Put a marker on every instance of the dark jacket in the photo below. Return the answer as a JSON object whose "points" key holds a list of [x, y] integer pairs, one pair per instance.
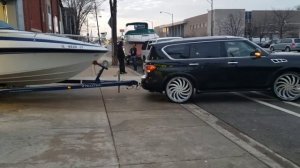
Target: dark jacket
{"points": [[121, 54], [133, 51]]}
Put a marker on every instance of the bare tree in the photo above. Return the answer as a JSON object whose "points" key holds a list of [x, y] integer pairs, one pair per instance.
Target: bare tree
{"points": [[280, 20], [261, 27], [233, 25], [113, 24], [80, 10]]}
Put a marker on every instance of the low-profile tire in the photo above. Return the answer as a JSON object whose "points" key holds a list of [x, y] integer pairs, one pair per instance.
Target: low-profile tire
{"points": [[179, 89], [287, 49], [287, 86], [272, 49]]}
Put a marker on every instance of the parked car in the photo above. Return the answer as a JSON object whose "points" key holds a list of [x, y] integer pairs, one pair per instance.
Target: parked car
{"points": [[146, 46], [268, 43], [287, 44], [181, 68], [259, 41]]}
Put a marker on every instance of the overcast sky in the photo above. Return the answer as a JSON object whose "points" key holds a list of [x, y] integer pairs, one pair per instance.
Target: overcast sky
{"points": [[149, 10]]}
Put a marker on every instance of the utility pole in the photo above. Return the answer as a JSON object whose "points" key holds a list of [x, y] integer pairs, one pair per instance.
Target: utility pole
{"points": [[113, 23], [97, 22], [211, 16], [87, 30]]}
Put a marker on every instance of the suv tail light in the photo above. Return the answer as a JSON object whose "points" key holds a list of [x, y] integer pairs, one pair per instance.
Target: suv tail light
{"points": [[150, 68]]}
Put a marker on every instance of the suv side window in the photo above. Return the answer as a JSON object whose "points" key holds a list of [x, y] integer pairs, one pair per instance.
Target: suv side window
{"points": [[239, 49], [180, 51], [205, 50]]}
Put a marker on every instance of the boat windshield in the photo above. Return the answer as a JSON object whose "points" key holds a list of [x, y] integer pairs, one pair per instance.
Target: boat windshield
{"points": [[5, 26]]}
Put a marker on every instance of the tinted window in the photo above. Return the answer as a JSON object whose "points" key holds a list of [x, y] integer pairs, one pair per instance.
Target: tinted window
{"points": [[178, 51], [286, 41], [297, 40], [153, 54], [239, 49], [205, 50]]}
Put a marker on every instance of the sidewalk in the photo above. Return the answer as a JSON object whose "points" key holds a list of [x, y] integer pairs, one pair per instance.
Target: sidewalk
{"points": [[149, 131], [101, 128]]}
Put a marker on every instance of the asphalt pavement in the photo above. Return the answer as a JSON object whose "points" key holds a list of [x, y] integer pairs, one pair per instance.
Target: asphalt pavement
{"points": [[261, 116]]}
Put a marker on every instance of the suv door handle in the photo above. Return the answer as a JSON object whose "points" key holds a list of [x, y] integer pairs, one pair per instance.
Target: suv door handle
{"points": [[194, 64], [232, 62]]}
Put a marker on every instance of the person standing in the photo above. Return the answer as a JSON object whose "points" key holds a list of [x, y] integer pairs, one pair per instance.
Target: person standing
{"points": [[121, 58], [133, 55]]}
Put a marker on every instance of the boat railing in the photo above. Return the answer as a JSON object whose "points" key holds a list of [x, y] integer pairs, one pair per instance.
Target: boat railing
{"points": [[88, 39]]}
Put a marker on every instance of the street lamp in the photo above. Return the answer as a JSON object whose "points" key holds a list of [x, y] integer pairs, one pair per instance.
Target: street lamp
{"points": [[172, 18], [212, 16]]}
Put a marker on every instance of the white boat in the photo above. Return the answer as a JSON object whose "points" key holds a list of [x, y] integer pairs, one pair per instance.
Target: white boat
{"points": [[137, 33], [28, 58]]}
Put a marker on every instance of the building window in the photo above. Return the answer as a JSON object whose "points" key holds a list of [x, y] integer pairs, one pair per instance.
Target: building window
{"points": [[49, 14], [3, 12], [56, 29]]}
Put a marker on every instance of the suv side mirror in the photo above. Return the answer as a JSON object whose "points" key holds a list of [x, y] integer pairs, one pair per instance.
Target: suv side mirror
{"points": [[256, 54]]}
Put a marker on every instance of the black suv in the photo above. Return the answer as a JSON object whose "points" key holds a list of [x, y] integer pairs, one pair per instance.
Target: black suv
{"points": [[183, 67]]}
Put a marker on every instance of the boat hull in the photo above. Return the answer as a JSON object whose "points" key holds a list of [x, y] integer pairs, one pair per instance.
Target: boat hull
{"points": [[20, 69], [28, 58]]}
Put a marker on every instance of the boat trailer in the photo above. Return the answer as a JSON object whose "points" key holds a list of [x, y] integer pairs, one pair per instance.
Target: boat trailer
{"points": [[74, 84]]}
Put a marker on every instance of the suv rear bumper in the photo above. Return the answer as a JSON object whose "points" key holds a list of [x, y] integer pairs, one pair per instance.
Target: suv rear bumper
{"points": [[151, 84]]}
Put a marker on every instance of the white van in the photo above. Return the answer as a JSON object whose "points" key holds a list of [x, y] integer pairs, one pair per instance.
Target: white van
{"points": [[146, 46]]}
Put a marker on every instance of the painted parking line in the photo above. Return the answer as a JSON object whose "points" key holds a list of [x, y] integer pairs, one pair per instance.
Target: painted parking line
{"points": [[269, 105], [290, 103], [258, 150]]}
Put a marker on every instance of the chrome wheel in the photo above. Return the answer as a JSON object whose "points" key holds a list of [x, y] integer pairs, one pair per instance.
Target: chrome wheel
{"points": [[179, 89], [287, 87]]}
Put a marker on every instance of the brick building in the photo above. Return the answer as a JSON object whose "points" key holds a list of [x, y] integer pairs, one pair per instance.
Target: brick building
{"points": [[33, 15]]}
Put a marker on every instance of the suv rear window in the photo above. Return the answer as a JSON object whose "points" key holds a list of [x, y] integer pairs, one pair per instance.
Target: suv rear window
{"points": [[153, 55], [297, 40]]}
